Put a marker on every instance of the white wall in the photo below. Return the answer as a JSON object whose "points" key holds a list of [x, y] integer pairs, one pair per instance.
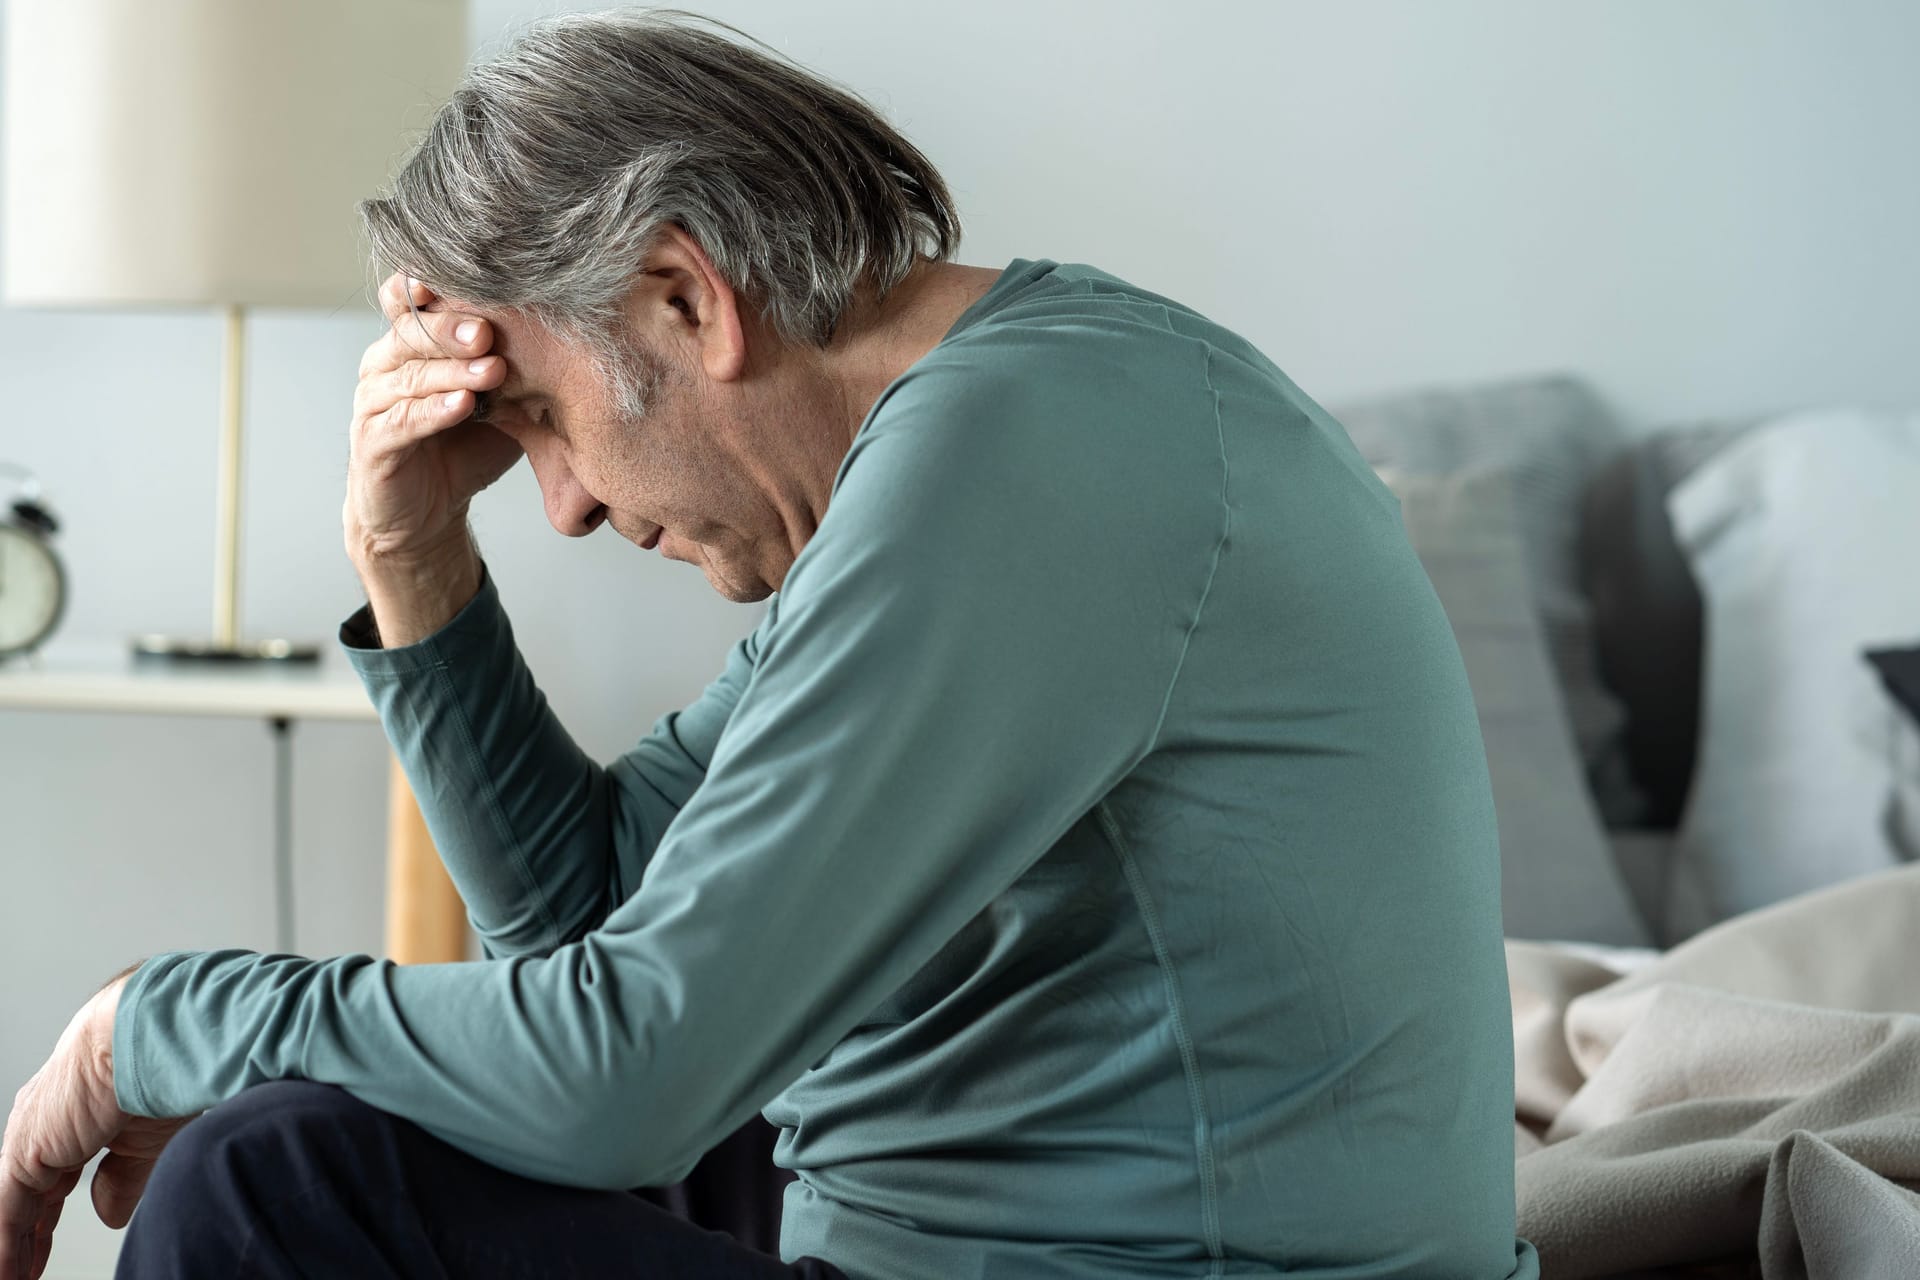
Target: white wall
{"points": [[1705, 208]]}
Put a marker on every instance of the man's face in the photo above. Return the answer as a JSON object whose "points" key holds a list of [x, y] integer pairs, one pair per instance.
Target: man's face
{"points": [[675, 472], [733, 462]]}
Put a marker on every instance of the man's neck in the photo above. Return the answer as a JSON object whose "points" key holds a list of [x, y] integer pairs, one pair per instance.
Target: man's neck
{"points": [[883, 340]]}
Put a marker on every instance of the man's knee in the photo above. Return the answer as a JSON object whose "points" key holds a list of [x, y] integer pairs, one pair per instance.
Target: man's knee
{"points": [[262, 1144], [225, 1176]]}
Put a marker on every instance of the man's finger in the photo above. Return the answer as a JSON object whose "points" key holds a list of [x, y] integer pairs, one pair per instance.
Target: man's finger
{"points": [[19, 1214], [402, 302], [29, 1208], [49, 1219], [418, 378], [395, 292], [389, 293], [436, 335], [430, 377], [57, 1196], [411, 421], [118, 1183]]}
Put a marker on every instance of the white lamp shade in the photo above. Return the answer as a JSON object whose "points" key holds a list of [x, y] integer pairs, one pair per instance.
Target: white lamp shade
{"points": [[209, 151]]}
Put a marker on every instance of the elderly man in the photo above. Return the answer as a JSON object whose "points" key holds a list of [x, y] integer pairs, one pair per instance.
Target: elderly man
{"points": [[1088, 862]]}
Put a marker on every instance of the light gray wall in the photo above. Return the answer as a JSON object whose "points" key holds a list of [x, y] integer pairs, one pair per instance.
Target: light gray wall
{"points": [[1705, 208]]}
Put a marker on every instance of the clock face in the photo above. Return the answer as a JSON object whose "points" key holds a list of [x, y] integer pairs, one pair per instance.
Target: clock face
{"points": [[32, 590]]}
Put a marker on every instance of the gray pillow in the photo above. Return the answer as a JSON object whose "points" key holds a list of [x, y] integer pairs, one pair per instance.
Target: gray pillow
{"points": [[1557, 876], [1553, 434]]}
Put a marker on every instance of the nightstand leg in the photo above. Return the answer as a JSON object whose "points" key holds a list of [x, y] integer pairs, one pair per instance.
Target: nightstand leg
{"points": [[426, 921]]}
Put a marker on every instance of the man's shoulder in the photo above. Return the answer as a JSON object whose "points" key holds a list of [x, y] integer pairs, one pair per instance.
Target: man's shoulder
{"points": [[1031, 448], [1049, 382]]}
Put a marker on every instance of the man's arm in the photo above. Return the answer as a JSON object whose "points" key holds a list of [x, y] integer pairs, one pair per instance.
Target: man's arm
{"points": [[541, 841], [960, 666]]}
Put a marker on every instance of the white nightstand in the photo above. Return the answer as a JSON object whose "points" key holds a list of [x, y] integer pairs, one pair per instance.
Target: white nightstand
{"points": [[426, 921]]}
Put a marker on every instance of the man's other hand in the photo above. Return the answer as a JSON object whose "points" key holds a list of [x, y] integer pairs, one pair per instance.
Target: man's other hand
{"points": [[61, 1117], [417, 458]]}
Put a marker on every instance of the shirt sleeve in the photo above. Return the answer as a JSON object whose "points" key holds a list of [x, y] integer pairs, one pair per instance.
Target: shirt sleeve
{"points": [[540, 840], [965, 658]]}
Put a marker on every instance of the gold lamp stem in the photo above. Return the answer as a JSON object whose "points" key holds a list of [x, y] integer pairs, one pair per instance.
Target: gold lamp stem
{"points": [[226, 645], [226, 547]]}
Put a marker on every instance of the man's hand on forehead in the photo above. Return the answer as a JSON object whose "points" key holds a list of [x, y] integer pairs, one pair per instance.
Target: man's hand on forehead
{"points": [[422, 302], [411, 473], [483, 401]]}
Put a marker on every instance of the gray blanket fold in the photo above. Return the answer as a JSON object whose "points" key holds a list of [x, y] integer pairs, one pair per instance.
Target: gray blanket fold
{"points": [[1746, 1104]]}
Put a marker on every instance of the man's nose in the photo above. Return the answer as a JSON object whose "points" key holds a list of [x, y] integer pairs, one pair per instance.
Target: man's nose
{"points": [[570, 508]]}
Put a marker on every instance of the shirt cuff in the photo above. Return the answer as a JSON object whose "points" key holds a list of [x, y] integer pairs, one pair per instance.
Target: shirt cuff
{"points": [[360, 638], [129, 1073]]}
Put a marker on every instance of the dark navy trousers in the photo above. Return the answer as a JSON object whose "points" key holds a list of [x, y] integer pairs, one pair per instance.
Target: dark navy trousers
{"points": [[298, 1179]]}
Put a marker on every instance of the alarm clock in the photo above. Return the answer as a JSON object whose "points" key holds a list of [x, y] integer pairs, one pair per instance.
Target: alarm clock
{"points": [[33, 584]]}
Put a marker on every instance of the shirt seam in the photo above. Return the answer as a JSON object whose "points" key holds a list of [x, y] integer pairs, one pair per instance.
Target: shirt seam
{"points": [[1183, 1038], [492, 800], [1226, 525], [393, 664], [1136, 882]]}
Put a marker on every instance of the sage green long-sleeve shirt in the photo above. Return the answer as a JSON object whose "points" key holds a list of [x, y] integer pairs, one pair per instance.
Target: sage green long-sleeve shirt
{"points": [[1089, 860]]}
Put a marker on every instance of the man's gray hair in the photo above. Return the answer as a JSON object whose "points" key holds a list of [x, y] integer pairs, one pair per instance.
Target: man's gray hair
{"points": [[543, 183]]}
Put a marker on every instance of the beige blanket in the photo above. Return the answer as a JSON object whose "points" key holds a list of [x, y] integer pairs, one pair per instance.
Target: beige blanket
{"points": [[1746, 1104]]}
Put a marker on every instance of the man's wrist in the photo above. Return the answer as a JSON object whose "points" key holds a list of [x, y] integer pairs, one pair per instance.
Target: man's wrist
{"points": [[415, 566], [411, 597], [103, 1011]]}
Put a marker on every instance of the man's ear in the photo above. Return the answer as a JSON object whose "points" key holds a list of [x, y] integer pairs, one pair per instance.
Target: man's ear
{"points": [[679, 268]]}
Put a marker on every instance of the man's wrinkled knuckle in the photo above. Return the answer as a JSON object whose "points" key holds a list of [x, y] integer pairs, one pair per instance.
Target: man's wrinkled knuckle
{"points": [[368, 436], [377, 426], [380, 400], [401, 419]]}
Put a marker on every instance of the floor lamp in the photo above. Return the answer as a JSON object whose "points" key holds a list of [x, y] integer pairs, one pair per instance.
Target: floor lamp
{"points": [[210, 153]]}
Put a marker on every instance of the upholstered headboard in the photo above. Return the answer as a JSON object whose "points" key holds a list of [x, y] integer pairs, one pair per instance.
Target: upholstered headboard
{"points": [[1622, 616], [1647, 614]]}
